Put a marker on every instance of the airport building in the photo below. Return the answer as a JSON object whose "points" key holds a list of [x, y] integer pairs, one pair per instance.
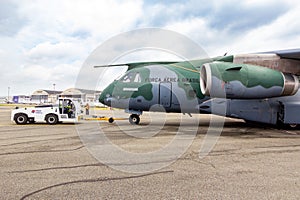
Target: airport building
{"points": [[44, 96], [3, 99], [82, 95], [21, 99]]}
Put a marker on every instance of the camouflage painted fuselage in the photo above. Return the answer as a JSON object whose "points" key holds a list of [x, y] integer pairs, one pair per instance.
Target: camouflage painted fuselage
{"points": [[175, 87], [250, 92]]}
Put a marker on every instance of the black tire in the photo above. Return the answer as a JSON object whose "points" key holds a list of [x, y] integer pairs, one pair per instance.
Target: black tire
{"points": [[52, 119], [293, 126], [134, 119], [21, 118], [111, 120]]}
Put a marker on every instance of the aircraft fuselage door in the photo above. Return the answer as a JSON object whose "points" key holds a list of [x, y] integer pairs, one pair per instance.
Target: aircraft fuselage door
{"points": [[165, 94]]}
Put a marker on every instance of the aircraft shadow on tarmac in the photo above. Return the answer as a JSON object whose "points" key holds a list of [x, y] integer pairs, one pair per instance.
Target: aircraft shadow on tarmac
{"points": [[229, 128]]}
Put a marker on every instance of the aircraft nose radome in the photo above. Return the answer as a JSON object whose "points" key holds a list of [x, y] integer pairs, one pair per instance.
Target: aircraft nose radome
{"points": [[106, 95], [105, 100], [102, 98]]}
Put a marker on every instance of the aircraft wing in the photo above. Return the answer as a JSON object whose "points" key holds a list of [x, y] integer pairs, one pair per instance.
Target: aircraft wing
{"points": [[138, 64], [293, 54], [287, 61]]}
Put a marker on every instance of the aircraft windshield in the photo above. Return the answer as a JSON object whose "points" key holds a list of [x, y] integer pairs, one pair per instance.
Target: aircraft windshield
{"points": [[131, 77]]}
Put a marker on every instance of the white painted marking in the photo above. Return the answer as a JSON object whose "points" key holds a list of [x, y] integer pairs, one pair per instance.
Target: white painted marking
{"points": [[130, 89]]}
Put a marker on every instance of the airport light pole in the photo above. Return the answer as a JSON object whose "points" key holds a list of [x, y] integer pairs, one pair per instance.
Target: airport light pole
{"points": [[52, 98], [8, 89]]}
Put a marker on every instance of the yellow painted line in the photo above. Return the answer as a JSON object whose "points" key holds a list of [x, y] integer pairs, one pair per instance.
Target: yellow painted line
{"points": [[106, 108], [19, 105], [105, 118], [192, 70], [97, 108], [6, 124]]}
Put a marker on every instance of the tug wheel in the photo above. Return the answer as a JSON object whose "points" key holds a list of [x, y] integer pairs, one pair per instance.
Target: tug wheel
{"points": [[21, 118], [51, 119]]}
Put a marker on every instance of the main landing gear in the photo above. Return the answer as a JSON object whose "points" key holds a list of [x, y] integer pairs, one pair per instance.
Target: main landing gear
{"points": [[134, 119]]}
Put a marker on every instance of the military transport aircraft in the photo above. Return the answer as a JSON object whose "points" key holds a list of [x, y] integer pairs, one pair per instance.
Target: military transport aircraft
{"points": [[259, 87]]}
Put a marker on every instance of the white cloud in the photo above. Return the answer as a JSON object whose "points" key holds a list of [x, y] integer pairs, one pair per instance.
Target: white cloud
{"points": [[224, 28], [33, 77], [63, 51], [60, 20], [198, 30], [49, 40], [283, 33], [56, 37]]}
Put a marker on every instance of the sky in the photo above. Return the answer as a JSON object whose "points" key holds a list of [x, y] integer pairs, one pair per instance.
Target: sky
{"points": [[46, 42]]}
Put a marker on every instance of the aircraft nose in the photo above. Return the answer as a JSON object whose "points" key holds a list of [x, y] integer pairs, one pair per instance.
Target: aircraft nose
{"points": [[105, 98], [102, 98], [106, 95]]}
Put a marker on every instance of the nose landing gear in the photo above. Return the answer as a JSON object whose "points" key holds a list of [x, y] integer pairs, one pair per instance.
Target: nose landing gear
{"points": [[134, 119]]}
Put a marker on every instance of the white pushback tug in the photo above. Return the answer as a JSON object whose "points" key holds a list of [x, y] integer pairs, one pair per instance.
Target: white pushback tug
{"points": [[66, 110]]}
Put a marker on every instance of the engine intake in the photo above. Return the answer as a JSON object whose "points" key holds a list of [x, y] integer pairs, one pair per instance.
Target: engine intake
{"points": [[243, 81]]}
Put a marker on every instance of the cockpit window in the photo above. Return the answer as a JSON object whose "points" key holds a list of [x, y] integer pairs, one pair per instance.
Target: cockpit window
{"points": [[131, 77], [137, 78], [127, 78]]}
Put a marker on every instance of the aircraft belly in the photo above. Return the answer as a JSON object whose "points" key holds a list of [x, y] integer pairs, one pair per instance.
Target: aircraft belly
{"points": [[253, 110], [291, 113]]}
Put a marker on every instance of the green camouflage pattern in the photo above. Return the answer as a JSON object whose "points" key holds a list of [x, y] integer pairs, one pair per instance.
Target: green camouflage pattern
{"points": [[142, 85]]}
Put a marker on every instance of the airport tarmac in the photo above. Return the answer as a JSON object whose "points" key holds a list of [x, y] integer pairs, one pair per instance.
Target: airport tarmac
{"points": [[40, 161]]}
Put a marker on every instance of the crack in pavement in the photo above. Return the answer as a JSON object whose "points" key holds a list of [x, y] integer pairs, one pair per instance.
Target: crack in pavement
{"points": [[46, 151], [35, 141], [94, 180]]}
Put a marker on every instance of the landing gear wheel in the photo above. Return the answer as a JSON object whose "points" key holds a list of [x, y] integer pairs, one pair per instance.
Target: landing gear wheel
{"points": [[293, 126], [134, 119], [111, 120], [21, 118], [51, 119]]}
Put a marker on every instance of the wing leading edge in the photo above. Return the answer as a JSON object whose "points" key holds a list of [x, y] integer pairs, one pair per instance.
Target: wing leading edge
{"points": [[293, 54], [138, 64]]}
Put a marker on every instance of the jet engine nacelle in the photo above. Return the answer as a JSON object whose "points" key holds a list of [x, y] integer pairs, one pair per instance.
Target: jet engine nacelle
{"points": [[243, 81]]}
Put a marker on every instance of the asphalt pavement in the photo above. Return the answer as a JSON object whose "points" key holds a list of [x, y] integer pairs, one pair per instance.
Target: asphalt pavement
{"points": [[165, 157]]}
